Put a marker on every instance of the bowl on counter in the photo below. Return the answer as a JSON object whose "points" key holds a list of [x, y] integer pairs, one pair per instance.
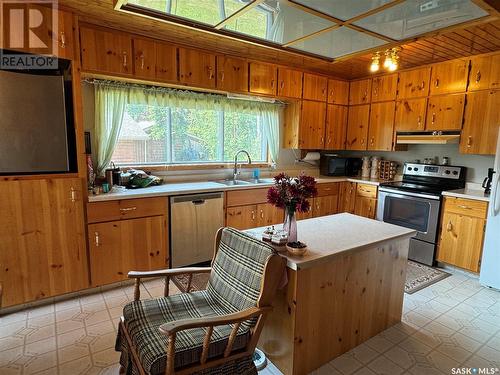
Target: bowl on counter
{"points": [[296, 248]]}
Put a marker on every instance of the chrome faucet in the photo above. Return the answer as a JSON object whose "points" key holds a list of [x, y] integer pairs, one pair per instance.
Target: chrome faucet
{"points": [[235, 170]]}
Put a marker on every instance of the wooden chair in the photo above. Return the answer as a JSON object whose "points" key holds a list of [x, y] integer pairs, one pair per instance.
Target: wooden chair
{"points": [[214, 331]]}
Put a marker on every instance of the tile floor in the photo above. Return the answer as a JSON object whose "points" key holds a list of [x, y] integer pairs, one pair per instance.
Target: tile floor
{"points": [[453, 323]]}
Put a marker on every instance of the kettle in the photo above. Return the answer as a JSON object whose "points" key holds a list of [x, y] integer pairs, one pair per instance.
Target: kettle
{"points": [[487, 181]]}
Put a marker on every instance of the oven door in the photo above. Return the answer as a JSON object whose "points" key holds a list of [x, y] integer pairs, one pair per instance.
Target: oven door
{"points": [[411, 210]]}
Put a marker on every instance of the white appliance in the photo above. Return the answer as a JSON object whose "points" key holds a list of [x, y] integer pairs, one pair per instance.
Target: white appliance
{"points": [[490, 263]]}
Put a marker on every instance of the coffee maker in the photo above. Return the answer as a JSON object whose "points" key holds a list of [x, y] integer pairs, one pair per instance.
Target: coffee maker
{"points": [[487, 181]]}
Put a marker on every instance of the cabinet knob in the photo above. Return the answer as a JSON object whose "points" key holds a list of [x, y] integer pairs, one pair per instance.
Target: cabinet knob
{"points": [[449, 227], [262, 214], [362, 141], [478, 76], [142, 61], [62, 39], [222, 76], [372, 141], [97, 243], [253, 215], [272, 83], [124, 59], [128, 209], [282, 84], [469, 141], [210, 73], [419, 120], [422, 85], [73, 194], [433, 118], [436, 82]]}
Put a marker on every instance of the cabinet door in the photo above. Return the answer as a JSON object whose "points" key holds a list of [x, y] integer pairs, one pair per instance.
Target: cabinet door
{"points": [[338, 92], [484, 73], [445, 112], [65, 36], [357, 127], [380, 133], [347, 197], [117, 247], [414, 83], [166, 62], [384, 88], [269, 215], [481, 121], [263, 78], [289, 83], [43, 251], [449, 77], [232, 74], [144, 58], [308, 214], [360, 91], [365, 206], [461, 241], [326, 205], [410, 115], [196, 68], [336, 127], [495, 72], [315, 87], [312, 125], [242, 217], [106, 51]]}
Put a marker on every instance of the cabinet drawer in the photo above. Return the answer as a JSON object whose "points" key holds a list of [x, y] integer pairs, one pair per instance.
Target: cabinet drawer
{"points": [[331, 188], [467, 207], [246, 197], [365, 190], [126, 209]]}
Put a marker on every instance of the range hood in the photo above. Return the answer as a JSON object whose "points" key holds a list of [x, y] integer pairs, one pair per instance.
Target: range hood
{"points": [[427, 138]]}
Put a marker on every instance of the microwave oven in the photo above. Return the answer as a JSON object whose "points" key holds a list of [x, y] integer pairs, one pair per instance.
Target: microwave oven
{"points": [[334, 165]]}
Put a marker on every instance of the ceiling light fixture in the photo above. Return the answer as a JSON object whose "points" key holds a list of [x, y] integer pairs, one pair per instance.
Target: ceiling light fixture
{"points": [[391, 60], [375, 66]]}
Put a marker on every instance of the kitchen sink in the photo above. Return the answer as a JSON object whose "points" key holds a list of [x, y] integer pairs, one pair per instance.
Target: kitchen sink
{"points": [[246, 182]]}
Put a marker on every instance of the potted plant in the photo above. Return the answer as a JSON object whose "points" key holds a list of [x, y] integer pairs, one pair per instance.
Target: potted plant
{"points": [[292, 194]]}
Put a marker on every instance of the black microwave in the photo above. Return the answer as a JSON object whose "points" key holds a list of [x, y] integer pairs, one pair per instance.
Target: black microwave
{"points": [[334, 165]]}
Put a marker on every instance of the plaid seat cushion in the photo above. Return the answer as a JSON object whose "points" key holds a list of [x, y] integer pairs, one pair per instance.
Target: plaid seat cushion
{"points": [[143, 319]]}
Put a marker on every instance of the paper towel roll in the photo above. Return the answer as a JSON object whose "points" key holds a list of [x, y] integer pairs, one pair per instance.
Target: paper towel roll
{"points": [[312, 156]]}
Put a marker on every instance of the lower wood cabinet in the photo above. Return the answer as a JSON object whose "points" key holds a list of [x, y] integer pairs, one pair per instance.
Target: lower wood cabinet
{"points": [[253, 216], [42, 247], [365, 207], [462, 233], [347, 197], [323, 206]]}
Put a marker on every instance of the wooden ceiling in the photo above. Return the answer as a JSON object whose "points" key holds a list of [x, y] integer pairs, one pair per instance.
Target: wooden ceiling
{"points": [[475, 38]]}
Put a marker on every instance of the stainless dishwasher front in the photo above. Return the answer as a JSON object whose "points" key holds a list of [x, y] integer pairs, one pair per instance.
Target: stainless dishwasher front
{"points": [[194, 221]]}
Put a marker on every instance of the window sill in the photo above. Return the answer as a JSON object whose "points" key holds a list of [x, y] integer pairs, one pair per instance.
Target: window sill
{"points": [[191, 167]]}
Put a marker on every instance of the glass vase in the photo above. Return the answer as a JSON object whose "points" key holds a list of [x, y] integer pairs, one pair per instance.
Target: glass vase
{"points": [[290, 224]]}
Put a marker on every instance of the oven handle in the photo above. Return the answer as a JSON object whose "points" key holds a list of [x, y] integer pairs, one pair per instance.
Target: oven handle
{"points": [[400, 194]]}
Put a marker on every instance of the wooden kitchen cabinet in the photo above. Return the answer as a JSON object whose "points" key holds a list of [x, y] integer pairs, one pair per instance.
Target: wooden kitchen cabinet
{"points": [[481, 123], [347, 197], [269, 215], [232, 74], [263, 78], [414, 83], [106, 51], [338, 92], [242, 217], [360, 91], [357, 127], [117, 247], [384, 88], [144, 58], [315, 87], [65, 35], [323, 206], [410, 115], [449, 77], [366, 200], [166, 62], [289, 83], [43, 248], [196, 68], [445, 112], [312, 125], [484, 73], [462, 233], [380, 132], [336, 127]]}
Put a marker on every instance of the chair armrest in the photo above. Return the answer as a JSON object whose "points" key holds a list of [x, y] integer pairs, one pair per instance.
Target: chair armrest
{"points": [[168, 272], [180, 325]]}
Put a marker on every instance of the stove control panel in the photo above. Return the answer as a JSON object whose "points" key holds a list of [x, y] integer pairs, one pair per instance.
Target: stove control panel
{"points": [[431, 170]]}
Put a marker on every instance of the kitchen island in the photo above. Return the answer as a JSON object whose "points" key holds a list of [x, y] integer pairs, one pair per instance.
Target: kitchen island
{"points": [[346, 289]]}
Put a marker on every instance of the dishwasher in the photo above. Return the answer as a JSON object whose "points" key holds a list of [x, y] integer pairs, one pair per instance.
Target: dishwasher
{"points": [[194, 221]]}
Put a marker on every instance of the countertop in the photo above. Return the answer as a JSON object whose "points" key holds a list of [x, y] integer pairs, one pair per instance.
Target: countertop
{"points": [[179, 188], [468, 193], [329, 236]]}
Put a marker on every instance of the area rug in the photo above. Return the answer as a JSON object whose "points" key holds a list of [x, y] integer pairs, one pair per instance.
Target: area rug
{"points": [[199, 282], [419, 276]]}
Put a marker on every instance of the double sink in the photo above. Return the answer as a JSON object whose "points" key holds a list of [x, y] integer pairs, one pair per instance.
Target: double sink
{"points": [[260, 181]]}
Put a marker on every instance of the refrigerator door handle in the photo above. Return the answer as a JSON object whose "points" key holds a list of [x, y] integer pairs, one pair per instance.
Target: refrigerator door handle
{"points": [[495, 204]]}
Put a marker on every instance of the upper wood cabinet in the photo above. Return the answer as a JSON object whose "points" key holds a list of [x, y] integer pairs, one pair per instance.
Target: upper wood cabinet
{"points": [[65, 35], [481, 123], [166, 62], [289, 83], [357, 127], [232, 74], [263, 78], [106, 51], [315, 87], [484, 73], [336, 127], [360, 91], [312, 125], [384, 88], [338, 92], [380, 133], [144, 58], [43, 248], [414, 83], [449, 77], [410, 115], [196, 68], [445, 112]]}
